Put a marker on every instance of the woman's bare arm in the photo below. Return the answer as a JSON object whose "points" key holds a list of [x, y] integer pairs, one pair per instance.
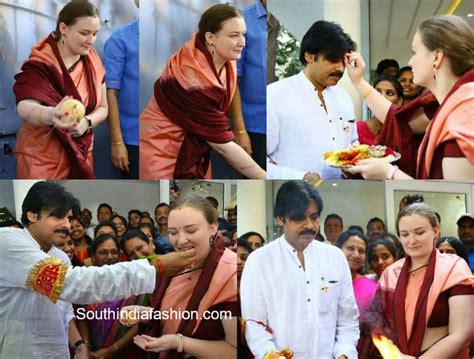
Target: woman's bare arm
{"points": [[239, 159]]}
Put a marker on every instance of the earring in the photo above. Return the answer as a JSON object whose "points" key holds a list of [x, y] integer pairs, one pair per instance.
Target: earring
{"points": [[212, 49], [212, 239], [64, 35], [434, 71]]}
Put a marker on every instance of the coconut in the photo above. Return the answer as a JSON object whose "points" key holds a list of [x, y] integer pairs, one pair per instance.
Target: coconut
{"points": [[72, 111]]}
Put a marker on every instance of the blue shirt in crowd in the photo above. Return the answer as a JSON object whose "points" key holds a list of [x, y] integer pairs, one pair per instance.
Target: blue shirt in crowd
{"points": [[251, 69], [121, 62]]}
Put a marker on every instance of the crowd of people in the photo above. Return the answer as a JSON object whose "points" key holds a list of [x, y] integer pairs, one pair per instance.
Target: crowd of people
{"points": [[55, 225], [292, 273]]}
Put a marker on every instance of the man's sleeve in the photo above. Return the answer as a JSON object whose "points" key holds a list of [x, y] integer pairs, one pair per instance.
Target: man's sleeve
{"points": [[347, 329], [274, 171], [87, 285], [24, 265], [19, 256], [254, 309], [114, 61]]}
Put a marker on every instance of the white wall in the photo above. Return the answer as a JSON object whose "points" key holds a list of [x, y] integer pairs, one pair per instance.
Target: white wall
{"points": [[122, 195], [347, 13], [251, 207], [7, 198], [355, 201]]}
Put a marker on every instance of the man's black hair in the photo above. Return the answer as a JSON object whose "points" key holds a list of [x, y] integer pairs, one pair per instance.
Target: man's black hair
{"points": [[333, 216], [328, 39], [105, 224], [293, 199], [104, 205], [385, 64], [51, 197]]}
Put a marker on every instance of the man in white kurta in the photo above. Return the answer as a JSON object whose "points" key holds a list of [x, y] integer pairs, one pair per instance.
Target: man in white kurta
{"points": [[32, 283], [297, 292], [307, 114]]}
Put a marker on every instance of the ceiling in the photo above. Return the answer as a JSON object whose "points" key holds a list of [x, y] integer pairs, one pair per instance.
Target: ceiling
{"points": [[393, 24]]}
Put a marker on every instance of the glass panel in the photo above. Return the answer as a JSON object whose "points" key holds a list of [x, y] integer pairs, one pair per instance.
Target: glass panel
{"points": [[204, 189], [450, 206]]}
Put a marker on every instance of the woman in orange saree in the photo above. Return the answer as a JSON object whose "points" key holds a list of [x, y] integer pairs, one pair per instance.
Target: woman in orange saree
{"points": [[187, 116], [198, 308], [61, 66], [426, 296], [443, 49]]}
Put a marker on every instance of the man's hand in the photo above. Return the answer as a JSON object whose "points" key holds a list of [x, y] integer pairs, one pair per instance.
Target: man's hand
{"points": [[176, 262], [119, 156], [243, 140]]}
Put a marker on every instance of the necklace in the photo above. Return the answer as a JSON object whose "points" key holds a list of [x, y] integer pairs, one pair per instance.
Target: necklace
{"points": [[188, 271]]}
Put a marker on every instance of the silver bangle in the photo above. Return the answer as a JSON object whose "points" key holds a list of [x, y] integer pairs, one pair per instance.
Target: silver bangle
{"points": [[181, 342]]}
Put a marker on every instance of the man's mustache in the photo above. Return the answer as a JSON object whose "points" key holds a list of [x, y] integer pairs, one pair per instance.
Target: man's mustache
{"points": [[337, 74], [306, 232], [64, 231]]}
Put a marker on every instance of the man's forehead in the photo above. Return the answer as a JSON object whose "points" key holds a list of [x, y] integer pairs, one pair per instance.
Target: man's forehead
{"points": [[49, 212]]}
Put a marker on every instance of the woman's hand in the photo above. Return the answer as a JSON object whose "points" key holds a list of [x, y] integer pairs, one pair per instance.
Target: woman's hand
{"points": [[58, 113], [80, 128], [103, 353], [133, 314], [371, 168], [162, 344], [82, 352], [355, 66]]}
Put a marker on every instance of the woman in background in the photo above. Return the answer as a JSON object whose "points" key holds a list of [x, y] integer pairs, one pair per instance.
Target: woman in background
{"points": [[354, 246], [410, 89], [380, 255], [389, 88], [107, 338], [452, 245], [81, 240]]}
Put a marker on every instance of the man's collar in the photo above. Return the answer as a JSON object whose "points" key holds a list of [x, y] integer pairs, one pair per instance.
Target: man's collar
{"points": [[261, 11], [290, 248]]}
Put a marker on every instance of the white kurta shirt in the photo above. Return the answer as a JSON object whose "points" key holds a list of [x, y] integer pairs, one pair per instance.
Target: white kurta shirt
{"points": [[299, 130], [312, 311], [31, 326], [66, 308]]}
